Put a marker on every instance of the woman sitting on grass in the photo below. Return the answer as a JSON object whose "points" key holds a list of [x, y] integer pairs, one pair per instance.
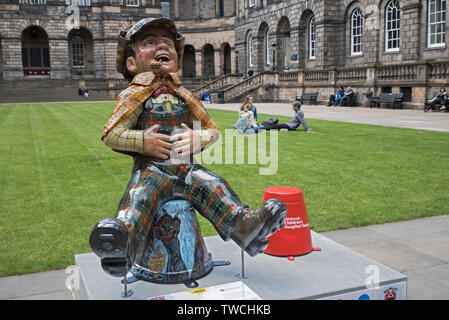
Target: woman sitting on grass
{"points": [[247, 113]]}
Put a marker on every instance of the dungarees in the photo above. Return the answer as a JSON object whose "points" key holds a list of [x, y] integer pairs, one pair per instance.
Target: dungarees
{"points": [[153, 183]]}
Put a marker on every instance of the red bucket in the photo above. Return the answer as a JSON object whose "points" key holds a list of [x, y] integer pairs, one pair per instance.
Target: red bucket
{"points": [[294, 239]]}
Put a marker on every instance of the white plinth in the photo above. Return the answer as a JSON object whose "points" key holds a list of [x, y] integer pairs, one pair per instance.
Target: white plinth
{"points": [[336, 272]]}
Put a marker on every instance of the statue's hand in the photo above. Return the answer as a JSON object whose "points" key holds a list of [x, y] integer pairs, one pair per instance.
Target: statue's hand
{"points": [[156, 144], [186, 143]]}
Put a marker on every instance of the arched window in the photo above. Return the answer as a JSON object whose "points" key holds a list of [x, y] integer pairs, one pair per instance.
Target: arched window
{"points": [[267, 48], [78, 56], [250, 50], [357, 32], [436, 23], [312, 38], [392, 26]]}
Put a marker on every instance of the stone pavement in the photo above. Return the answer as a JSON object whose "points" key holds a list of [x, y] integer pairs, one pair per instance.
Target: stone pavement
{"points": [[417, 248]]}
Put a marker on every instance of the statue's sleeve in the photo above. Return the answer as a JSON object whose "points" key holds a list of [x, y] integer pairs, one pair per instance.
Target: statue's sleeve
{"points": [[123, 137]]}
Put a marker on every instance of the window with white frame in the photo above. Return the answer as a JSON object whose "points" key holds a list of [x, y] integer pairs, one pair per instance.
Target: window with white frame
{"points": [[78, 2], [201, 8], [251, 3], [312, 38], [357, 32], [198, 4], [392, 26], [33, 1], [132, 3], [267, 47], [250, 50], [436, 23], [165, 9], [78, 60]]}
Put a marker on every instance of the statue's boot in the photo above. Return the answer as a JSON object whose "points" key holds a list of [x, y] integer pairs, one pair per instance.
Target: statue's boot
{"points": [[252, 228], [111, 240]]}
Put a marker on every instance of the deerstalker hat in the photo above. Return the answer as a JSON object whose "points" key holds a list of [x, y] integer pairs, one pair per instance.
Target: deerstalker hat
{"points": [[126, 38]]}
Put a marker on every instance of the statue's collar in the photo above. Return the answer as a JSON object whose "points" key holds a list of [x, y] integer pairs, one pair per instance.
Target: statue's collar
{"points": [[146, 78]]}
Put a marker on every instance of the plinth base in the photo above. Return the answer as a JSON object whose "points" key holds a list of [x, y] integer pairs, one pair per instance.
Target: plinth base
{"points": [[335, 272]]}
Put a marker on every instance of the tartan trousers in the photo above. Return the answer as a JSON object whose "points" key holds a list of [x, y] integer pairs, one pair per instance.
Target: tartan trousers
{"points": [[156, 183]]}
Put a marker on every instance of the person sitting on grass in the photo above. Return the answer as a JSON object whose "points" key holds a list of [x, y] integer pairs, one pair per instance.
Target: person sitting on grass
{"points": [[296, 121], [152, 121], [249, 100], [249, 112]]}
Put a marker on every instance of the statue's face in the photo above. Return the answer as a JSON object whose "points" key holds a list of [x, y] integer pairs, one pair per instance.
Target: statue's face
{"points": [[152, 45]]}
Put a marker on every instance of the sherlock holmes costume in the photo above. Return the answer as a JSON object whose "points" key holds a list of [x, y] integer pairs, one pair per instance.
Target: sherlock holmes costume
{"points": [[155, 98]]}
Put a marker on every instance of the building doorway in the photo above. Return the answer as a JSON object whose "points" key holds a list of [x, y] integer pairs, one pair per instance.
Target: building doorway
{"points": [[35, 52], [189, 62], [226, 58], [208, 61], [283, 44]]}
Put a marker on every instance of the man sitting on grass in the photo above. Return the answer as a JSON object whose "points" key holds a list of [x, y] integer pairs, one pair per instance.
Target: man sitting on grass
{"points": [[297, 120]]}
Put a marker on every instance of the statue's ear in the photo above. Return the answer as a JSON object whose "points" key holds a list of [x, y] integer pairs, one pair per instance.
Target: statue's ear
{"points": [[131, 64]]}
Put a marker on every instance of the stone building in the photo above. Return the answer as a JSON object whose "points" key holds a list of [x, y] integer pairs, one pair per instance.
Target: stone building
{"points": [[372, 46], [41, 38], [293, 46]]}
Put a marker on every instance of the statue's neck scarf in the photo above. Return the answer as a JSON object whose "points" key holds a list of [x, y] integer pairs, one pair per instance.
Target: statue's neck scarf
{"points": [[142, 87]]}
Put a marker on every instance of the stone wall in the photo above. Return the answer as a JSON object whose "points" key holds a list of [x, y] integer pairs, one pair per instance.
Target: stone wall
{"points": [[333, 30], [102, 20]]}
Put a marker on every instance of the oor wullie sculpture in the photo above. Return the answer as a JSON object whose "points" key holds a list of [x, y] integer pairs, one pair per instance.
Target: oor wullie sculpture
{"points": [[153, 122]]}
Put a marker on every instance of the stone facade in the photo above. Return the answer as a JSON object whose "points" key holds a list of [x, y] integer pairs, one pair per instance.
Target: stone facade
{"points": [[333, 63], [99, 23], [333, 32], [310, 39]]}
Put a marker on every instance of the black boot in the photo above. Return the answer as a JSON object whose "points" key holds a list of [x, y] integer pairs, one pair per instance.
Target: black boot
{"points": [[112, 242], [252, 228]]}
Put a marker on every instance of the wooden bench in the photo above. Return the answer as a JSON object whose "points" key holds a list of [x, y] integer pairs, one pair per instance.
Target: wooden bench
{"points": [[351, 101], [394, 98], [312, 97]]}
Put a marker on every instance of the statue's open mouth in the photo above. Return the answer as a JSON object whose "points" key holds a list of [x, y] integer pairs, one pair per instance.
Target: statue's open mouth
{"points": [[163, 58]]}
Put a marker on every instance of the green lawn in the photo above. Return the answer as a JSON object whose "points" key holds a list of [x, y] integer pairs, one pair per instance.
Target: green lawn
{"points": [[58, 179]]}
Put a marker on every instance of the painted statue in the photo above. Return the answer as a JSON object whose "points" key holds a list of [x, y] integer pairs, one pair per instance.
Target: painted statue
{"points": [[153, 121]]}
